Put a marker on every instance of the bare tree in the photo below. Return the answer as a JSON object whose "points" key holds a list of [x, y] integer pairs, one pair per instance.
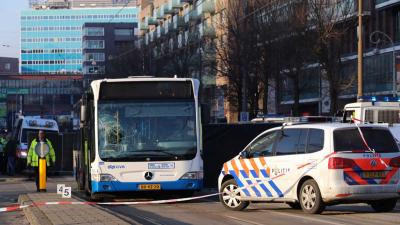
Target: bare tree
{"points": [[238, 56], [128, 63], [330, 21]]}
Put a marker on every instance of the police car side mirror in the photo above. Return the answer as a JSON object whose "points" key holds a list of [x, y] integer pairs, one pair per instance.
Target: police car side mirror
{"points": [[244, 154]]}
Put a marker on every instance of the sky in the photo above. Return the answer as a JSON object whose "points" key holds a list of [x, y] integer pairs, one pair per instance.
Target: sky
{"points": [[10, 11]]}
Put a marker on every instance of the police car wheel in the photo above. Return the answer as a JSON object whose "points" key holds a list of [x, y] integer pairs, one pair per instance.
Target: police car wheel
{"points": [[310, 198], [386, 205], [230, 196]]}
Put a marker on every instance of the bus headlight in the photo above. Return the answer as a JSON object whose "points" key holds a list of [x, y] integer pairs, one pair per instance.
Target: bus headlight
{"points": [[192, 175], [107, 177]]}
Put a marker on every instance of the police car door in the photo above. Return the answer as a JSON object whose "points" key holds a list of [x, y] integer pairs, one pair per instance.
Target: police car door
{"points": [[290, 143], [253, 168]]}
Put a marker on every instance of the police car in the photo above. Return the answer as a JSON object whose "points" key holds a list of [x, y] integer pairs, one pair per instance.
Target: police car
{"points": [[310, 166]]}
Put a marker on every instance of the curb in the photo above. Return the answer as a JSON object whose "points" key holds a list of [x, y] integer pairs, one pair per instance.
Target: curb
{"points": [[33, 214]]}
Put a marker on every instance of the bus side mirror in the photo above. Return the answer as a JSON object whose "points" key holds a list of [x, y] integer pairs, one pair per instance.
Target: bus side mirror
{"points": [[83, 114]]}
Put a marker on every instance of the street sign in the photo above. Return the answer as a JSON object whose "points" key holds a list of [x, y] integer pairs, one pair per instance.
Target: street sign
{"points": [[60, 189], [66, 192]]}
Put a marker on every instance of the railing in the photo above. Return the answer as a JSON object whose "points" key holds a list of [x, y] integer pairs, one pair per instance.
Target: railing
{"points": [[151, 21]]}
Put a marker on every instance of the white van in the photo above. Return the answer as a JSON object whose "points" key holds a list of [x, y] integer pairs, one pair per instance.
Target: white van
{"points": [[26, 124], [310, 166]]}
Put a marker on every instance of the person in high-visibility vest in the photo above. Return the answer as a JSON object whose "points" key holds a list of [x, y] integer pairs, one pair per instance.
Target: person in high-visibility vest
{"points": [[33, 158]]}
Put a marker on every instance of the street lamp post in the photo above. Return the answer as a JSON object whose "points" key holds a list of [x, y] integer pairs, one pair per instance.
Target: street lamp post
{"points": [[394, 72], [360, 50]]}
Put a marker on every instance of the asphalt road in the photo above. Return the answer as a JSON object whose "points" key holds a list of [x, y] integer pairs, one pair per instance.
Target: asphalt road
{"points": [[206, 211], [210, 211]]}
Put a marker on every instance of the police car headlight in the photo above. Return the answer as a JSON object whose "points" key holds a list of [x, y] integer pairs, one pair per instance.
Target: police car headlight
{"points": [[192, 175], [107, 177]]}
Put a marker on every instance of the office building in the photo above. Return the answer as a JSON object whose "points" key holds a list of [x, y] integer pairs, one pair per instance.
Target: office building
{"points": [[103, 43], [51, 39]]}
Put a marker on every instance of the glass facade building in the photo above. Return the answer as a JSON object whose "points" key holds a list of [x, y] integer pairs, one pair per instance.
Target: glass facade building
{"points": [[51, 40]]}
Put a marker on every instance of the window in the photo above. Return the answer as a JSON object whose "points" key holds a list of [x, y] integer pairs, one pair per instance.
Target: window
{"points": [[95, 70], [301, 147], [287, 142], [94, 56], [123, 32], [7, 66], [347, 116], [93, 44], [378, 139], [94, 31], [315, 140], [263, 145]]}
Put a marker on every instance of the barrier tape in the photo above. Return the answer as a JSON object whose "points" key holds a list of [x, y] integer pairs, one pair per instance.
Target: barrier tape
{"points": [[38, 204], [365, 141]]}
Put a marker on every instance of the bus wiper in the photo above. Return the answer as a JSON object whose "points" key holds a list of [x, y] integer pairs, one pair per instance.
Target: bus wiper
{"points": [[162, 151]]}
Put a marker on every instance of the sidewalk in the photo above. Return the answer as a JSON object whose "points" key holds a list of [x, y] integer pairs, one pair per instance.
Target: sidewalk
{"points": [[64, 214], [16, 178]]}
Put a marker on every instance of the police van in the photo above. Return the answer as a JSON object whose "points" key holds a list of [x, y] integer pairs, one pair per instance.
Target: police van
{"points": [[310, 166], [24, 125]]}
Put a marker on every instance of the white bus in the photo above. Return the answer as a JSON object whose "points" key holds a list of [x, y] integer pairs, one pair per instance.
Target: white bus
{"points": [[140, 134]]}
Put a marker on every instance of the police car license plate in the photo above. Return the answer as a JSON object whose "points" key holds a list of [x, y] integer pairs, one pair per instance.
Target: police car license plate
{"points": [[374, 174], [149, 186]]}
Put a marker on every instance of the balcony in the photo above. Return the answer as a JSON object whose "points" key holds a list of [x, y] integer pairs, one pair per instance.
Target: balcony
{"points": [[208, 6], [160, 31], [181, 22], [168, 9], [152, 21], [144, 27], [159, 12], [176, 4], [209, 32], [194, 16], [172, 27]]}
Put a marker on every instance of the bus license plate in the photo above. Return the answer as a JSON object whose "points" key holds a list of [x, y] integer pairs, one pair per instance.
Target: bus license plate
{"points": [[149, 186], [374, 174]]}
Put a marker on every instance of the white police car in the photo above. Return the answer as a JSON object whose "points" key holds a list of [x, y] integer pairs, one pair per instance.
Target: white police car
{"points": [[310, 166]]}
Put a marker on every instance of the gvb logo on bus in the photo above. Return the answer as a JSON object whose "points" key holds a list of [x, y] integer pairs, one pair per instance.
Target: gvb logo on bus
{"points": [[64, 191]]}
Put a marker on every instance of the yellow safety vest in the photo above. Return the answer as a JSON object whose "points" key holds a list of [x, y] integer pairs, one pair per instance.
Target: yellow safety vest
{"points": [[33, 158]]}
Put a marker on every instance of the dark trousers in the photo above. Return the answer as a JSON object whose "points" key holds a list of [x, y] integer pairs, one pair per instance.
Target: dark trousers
{"points": [[36, 172], [11, 165]]}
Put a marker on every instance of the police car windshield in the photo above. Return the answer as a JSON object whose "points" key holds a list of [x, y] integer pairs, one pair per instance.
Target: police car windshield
{"points": [[378, 139]]}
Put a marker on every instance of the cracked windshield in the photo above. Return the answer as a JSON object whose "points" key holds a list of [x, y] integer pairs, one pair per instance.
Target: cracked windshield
{"points": [[131, 130]]}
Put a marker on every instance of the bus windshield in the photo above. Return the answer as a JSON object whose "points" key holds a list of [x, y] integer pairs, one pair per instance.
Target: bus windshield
{"points": [[133, 130]]}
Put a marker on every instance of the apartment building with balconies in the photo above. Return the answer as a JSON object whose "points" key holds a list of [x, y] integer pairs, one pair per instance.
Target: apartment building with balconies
{"points": [[179, 38]]}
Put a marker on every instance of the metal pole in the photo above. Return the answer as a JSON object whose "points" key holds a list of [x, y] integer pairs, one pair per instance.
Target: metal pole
{"points": [[243, 69], [394, 71], [360, 51]]}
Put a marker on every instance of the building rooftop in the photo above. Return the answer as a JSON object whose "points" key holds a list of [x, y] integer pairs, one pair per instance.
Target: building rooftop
{"points": [[69, 4]]}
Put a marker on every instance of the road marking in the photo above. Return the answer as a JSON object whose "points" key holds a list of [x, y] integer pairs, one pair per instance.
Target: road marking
{"points": [[304, 217], [243, 220]]}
